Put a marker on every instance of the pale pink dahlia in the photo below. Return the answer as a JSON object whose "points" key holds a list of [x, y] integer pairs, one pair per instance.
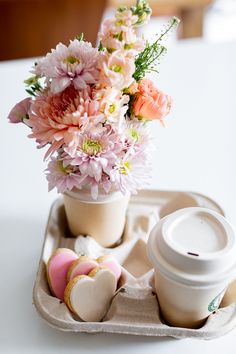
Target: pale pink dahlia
{"points": [[76, 64], [63, 178], [57, 119]]}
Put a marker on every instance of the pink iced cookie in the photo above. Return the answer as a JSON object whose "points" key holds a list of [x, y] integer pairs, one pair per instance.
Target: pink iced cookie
{"points": [[81, 266], [57, 268], [110, 262]]}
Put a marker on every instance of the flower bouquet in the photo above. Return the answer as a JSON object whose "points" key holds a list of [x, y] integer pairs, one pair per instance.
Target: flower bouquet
{"points": [[91, 107]]}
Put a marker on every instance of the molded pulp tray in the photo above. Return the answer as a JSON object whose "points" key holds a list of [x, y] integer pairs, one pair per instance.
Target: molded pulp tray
{"points": [[134, 309]]}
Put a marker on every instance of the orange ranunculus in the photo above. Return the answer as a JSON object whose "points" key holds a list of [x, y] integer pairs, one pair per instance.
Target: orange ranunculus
{"points": [[150, 103]]}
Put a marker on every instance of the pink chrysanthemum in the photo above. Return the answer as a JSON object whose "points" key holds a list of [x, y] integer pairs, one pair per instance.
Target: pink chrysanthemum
{"points": [[63, 178], [57, 119], [104, 185], [96, 153], [130, 173], [76, 64], [137, 138]]}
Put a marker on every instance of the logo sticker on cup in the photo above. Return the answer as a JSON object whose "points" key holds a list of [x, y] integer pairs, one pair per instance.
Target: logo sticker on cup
{"points": [[214, 304]]}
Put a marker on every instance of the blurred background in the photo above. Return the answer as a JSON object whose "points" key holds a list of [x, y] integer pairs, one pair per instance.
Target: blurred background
{"points": [[30, 28]]}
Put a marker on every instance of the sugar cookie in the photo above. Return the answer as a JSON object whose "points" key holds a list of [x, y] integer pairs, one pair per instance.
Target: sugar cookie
{"points": [[89, 296], [110, 262], [57, 268], [81, 266]]}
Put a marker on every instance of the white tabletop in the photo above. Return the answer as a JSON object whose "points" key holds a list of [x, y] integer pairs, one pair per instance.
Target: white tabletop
{"points": [[195, 152]]}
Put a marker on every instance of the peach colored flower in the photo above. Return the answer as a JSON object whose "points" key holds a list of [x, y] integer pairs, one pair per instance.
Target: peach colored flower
{"points": [[150, 103], [57, 119]]}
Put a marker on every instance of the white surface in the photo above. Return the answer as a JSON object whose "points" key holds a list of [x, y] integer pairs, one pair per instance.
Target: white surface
{"points": [[196, 152]]}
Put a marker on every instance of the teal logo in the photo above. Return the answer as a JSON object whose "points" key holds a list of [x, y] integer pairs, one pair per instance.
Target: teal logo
{"points": [[214, 304]]}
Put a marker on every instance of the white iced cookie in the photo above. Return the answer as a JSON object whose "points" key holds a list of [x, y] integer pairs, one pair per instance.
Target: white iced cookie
{"points": [[89, 296]]}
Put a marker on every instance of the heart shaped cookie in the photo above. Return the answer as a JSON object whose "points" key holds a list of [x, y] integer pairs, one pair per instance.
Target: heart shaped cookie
{"points": [[110, 262], [57, 268], [89, 296], [84, 264], [81, 266]]}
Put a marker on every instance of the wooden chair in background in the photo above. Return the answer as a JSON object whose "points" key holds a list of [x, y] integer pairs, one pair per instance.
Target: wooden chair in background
{"points": [[31, 28]]}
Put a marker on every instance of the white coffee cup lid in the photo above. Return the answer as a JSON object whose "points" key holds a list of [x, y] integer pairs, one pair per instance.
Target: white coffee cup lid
{"points": [[194, 246]]}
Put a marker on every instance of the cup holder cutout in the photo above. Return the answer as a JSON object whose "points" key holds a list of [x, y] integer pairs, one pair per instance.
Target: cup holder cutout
{"points": [[141, 223], [137, 262]]}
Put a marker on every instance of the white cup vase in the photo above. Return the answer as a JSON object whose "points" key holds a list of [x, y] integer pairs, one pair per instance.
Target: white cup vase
{"points": [[103, 219]]}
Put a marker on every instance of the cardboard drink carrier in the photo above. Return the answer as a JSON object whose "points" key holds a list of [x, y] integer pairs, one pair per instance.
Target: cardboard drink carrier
{"points": [[134, 308]]}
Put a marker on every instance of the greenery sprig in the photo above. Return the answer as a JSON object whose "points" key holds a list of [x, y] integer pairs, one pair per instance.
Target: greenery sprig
{"points": [[33, 85], [146, 60]]}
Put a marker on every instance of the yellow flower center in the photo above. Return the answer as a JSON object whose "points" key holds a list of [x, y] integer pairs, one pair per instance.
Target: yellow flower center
{"points": [[116, 68], [91, 147], [71, 60], [128, 46], [119, 22], [65, 170], [134, 134], [118, 36], [124, 168], [112, 108]]}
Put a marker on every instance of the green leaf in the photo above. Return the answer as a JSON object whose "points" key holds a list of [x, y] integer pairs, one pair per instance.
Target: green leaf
{"points": [[100, 47], [80, 37]]}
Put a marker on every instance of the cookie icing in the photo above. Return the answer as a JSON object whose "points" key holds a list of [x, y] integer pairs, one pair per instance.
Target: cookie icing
{"points": [[57, 268], [81, 266], [110, 262], [89, 296]]}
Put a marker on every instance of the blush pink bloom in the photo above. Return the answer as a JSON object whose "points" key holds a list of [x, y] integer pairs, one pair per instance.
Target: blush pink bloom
{"points": [[96, 153], [117, 70], [113, 104], [104, 185], [150, 103], [126, 18], [76, 64], [131, 173], [57, 119], [20, 112], [118, 34], [137, 138], [63, 178]]}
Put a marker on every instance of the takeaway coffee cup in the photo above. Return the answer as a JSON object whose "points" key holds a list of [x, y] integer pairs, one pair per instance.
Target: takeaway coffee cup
{"points": [[193, 252]]}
